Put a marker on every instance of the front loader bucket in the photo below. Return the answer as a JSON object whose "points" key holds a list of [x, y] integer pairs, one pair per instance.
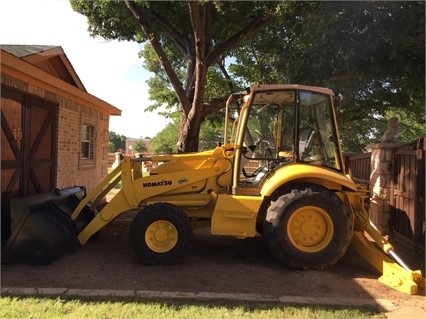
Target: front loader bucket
{"points": [[42, 228]]}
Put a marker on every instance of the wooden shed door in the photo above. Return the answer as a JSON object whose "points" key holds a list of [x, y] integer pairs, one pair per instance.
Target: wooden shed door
{"points": [[28, 159]]}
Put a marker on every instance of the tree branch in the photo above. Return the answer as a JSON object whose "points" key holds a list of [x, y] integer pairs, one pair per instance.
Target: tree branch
{"points": [[213, 106], [183, 42], [171, 74], [225, 73], [254, 25]]}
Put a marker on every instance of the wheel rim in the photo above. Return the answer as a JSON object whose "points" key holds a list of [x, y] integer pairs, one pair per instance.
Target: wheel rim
{"points": [[310, 229], [161, 236]]}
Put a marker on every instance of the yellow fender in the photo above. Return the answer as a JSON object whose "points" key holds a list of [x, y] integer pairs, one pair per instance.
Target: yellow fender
{"points": [[304, 173]]}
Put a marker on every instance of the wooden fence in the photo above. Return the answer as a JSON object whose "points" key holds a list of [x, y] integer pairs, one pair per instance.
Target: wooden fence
{"points": [[407, 189], [407, 204], [359, 167]]}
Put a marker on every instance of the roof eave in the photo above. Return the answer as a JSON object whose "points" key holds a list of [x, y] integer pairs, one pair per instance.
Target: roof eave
{"points": [[25, 71]]}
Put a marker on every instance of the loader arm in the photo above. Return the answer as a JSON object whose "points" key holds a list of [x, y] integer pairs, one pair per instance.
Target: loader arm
{"points": [[99, 192], [395, 273], [134, 190]]}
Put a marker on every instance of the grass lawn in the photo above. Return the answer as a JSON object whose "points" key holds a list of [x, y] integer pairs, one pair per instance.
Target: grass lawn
{"points": [[40, 308]]}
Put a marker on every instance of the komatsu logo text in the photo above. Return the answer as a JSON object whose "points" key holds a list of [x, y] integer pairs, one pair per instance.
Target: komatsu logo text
{"points": [[155, 184]]}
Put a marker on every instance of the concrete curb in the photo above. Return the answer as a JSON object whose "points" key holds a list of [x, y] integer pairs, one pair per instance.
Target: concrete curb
{"points": [[383, 305]]}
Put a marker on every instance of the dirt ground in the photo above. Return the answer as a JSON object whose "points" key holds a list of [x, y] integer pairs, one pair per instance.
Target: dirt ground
{"points": [[213, 264]]}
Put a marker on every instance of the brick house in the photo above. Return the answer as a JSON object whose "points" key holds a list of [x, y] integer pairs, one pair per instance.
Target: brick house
{"points": [[54, 133]]}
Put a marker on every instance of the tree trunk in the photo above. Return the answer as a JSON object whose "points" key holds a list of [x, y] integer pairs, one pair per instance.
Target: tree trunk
{"points": [[189, 130], [190, 126], [197, 49]]}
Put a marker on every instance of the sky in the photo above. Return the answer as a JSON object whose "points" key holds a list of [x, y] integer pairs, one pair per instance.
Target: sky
{"points": [[109, 70]]}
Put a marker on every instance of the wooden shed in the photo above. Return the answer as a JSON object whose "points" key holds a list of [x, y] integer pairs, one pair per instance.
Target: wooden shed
{"points": [[54, 133]]}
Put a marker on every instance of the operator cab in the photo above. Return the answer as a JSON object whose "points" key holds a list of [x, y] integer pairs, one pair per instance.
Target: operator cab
{"points": [[284, 125]]}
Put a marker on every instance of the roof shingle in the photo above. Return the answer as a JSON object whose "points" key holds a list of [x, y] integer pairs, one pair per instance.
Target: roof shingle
{"points": [[24, 50]]}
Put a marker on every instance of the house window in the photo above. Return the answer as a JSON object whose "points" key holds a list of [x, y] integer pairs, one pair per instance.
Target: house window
{"points": [[87, 141]]}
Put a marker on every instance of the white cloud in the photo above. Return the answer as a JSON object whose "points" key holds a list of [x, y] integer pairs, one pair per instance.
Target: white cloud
{"points": [[110, 70]]}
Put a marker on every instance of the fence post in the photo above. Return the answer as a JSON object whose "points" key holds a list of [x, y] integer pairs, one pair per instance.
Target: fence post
{"points": [[382, 155]]}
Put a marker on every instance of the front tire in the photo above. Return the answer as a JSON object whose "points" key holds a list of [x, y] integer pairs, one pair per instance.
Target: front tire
{"points": [[308, 228], [160, 234]]}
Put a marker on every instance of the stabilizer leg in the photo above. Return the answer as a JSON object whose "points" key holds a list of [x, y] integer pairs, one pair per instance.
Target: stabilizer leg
{"points": [[393, 275]]}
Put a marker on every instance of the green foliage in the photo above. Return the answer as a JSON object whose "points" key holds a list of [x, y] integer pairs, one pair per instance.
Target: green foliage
{"points": [[166, 140], [371, 52], [211, 132], [410, 128], [116, 142], [139, 146], [111, 147], [186, 46], [160, 90], [109, 20]]}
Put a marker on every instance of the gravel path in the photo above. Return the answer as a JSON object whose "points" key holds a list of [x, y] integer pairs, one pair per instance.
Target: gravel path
{"points": [[213, 264]]}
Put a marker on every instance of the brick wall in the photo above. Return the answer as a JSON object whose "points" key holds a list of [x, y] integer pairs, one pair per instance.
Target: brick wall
{"points": [[86, 172]]}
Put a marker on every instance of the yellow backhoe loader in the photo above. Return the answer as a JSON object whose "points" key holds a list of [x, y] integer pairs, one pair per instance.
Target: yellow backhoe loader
{"points": [[278, 173]]}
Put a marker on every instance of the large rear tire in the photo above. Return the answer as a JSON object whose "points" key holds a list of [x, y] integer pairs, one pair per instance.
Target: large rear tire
{"points": [[160, 234], [308, 228]]}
